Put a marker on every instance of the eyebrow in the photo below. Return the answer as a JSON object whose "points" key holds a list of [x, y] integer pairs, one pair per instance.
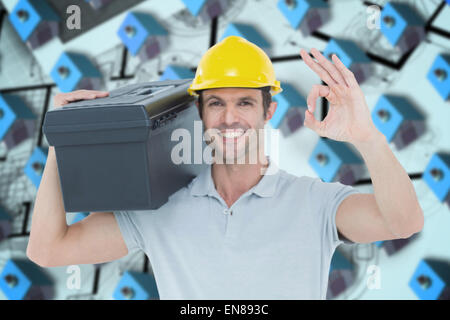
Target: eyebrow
{"points": [[248, 98], [240, 99], [212, 97]]}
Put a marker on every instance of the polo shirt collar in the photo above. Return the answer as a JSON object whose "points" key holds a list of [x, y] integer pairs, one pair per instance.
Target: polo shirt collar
{"points": [[204, 185]]}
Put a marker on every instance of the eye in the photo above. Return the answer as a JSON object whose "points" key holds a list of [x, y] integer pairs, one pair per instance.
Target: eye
{"points": [[245, 103], [214, 103]]}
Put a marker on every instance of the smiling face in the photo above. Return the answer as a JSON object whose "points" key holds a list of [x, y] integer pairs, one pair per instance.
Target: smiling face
{"points": [[234, 117]]}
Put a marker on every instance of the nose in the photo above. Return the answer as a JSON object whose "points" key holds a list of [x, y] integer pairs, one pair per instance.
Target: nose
{"points": [[230, 115]]}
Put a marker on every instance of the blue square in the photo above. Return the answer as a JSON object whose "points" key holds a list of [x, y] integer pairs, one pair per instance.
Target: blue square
{"points": [[142, 286], [35, 165], [247, 32], [194, 6], [78, 67], [27, 27], [442, 82], [25, 275], [296, 13], [285, 100], [347, 51], [134, 42], [436, 282], [390, 112], [70, 82], [143, 26], [391, 119], [36, 11], [403, 17], [440, 182], [336, 154], [328, 170], [8, 116], [12, 108], [173, 72], [23, 283]]}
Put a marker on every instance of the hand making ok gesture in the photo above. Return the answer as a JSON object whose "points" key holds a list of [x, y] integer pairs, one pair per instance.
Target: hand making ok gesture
{"points": [[348, 117]]}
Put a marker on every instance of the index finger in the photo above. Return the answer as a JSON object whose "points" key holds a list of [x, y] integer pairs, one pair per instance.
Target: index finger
{"points": [[327, 65], [65, 98], [90, 93], [317, 68]]}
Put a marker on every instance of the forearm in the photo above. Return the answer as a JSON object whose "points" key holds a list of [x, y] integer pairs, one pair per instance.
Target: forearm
{"points": [[393, 189], [49, 218]]}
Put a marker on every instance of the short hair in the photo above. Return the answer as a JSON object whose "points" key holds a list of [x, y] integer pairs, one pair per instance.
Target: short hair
{"points": [[266, 99]]}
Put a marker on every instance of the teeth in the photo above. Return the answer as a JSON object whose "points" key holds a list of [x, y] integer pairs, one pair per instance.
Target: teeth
{"points": [[232, 133]]}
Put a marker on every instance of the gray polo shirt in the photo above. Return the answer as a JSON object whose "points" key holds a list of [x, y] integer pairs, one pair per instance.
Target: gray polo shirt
{"points": [[275, 242]]}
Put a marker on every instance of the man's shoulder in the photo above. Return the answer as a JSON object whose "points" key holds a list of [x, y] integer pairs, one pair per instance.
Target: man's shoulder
{"points": [[309, 184], [292, 184], [294, 179]]}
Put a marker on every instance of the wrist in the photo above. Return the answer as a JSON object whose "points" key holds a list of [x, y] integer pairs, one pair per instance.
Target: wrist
{"points": [[374, 140]]}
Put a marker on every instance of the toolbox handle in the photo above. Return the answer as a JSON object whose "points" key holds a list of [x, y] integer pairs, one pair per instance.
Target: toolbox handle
{"points": [[142, 85]]}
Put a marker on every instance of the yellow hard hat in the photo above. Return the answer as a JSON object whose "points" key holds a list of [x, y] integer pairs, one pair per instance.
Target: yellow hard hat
{"points": [[234, 62]]}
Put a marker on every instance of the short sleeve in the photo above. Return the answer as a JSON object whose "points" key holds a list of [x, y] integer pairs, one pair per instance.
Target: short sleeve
{"points": [[332, 194], [129, 227]]}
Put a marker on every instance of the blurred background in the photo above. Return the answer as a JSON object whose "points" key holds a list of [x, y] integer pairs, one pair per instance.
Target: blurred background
{"points": [[398, 50]]}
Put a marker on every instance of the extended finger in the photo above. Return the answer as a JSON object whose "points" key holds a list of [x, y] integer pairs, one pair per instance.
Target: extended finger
{"points": [[320, 71], [348, 75], [328, 66]]}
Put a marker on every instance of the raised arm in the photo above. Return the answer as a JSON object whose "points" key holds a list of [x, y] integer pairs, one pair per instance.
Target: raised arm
{"points": [[95, 239], [393, 211]]}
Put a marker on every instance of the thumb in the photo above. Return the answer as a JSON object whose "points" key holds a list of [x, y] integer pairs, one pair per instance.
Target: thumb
{"points": [[312, 123]]}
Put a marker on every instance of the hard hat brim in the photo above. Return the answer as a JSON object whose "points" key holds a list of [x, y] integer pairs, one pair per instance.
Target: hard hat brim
{"points": [[231, 82]]}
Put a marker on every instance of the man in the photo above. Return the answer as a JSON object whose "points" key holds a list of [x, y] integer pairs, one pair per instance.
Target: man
{"points": [[236, 232]]}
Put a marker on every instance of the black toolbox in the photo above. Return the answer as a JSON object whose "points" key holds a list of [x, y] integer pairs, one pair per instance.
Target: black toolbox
{"points": [[114, 153]]}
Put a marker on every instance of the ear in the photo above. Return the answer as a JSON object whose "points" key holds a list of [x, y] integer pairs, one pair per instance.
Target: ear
{"points": [[270, 111]]}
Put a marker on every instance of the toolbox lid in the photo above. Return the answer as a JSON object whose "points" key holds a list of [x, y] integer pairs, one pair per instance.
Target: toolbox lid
{"points": [[133, 106], [95, 118]]}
